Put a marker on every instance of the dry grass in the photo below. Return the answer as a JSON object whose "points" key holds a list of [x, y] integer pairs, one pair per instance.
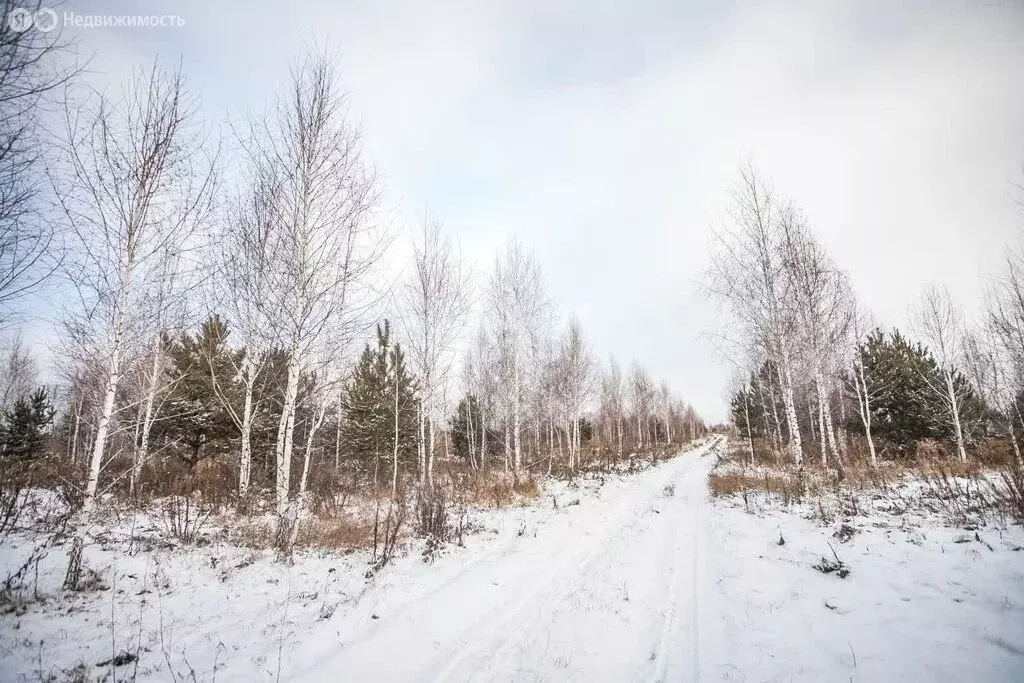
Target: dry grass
{"points": [[499, 489], [336, 532], [986, 487], [993, 453], [790, 486], [950, 467], [330, 532], [1010, 495], [526, 488]]}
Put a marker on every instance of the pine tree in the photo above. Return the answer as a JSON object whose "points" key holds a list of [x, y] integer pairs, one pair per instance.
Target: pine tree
{"points": [[194, 415], [25, 426], [902, 413], [905, 409], [380, 384]]}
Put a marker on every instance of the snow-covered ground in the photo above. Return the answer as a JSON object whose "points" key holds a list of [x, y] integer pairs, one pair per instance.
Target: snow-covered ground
{"points": [[922, 602], [641, 578]]}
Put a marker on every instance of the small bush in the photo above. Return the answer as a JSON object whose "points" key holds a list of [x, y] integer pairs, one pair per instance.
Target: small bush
{"points": [[431, 512], [184, 517], [930, 449], [386, 531], [329, 491], [492, 491]]}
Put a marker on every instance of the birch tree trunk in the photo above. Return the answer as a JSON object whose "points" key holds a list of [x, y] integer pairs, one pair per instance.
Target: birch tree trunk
{"points": [[864, 404], [517, 450], [285, 433], [245, 458], [430, 447], [100, 441], [483, 435], [954, 408], [795, 445], [750, 433], [142, 449]]}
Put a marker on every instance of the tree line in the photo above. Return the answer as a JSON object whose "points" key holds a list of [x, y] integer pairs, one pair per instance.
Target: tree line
{"points": [[226, 307], [812, 369]]}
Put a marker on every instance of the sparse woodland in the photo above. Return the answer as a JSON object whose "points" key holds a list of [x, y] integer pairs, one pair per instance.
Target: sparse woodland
{"points": [[822, 392], [258, 418], [235, 352]]}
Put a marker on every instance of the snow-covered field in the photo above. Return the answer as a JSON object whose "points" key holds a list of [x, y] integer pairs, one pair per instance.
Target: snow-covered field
{"points": [[641, 578]]}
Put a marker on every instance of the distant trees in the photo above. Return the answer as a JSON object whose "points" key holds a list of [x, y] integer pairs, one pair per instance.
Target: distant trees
{"points": [[210, 321], [545, 397], [794, 311]]}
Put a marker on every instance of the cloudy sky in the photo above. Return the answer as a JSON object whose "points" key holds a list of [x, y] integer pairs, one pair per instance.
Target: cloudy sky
{"points": [[606, 135]]}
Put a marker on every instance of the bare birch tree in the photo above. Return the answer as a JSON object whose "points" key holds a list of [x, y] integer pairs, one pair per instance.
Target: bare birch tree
{"points": [[820, 297], [866, 385], [578, 375], [437, 302], [641, 394], [19, 372], [939, 323], [1005, 325], [747, 274], [665, 402], [518, 309], [613, 398], [323, 237], [135, 188], [990, 371], [480, 368], [244, 257]]}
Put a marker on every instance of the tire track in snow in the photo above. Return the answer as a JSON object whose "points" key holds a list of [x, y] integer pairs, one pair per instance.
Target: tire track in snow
{"points": [[445, 636], [554, 585], [669, 621], [561, 580], [689, 514]]}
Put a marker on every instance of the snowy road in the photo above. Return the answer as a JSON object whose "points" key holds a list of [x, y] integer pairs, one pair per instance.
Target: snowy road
{"points": [[606, 591], [639, 577]]}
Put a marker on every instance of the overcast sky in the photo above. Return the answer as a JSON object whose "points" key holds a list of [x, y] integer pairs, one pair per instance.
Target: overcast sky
{"points": [[606, 135]]}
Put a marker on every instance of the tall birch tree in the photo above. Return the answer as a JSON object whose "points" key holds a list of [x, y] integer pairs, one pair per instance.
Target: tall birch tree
{"points": [[939, 323], [436, 299], [323, 238], [135, 187]]}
